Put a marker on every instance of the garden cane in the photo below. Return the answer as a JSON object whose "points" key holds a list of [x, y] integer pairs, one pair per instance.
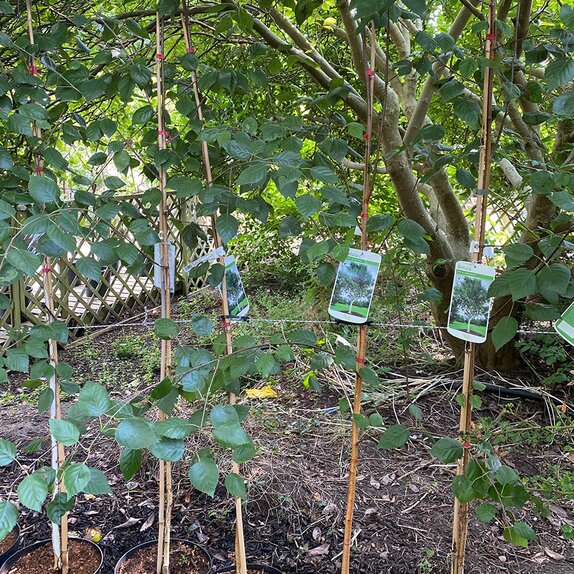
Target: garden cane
{"points": [[460, 518], [240, 557]]}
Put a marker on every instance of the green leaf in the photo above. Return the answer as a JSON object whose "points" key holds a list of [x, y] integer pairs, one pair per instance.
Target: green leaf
{"points": [[265, 364], [447, 450], [361, 421], [517, 254], [17, 360], [559, 72], [326, 273], [522, 283], [175, 427], [227, 227], [32, 491], [140, 74], [167, 7], [43, 189], [394, 436], [425, 41], [169, 449], [8, 517], [324, 174], [166, 328], [204, 475], [506, 475], [513, 537], [7, 452], [504, 331], [65, 432], [486, 512], [143, 115], [255, 174], [564, 105], [130, 461], [76, 478], [98, 483], [227, 429], [59, 506], [554, 277], [415, 411], [524, 531], [94, 400], [235, 485], [201, 325], [307, 204], [135, 433], [6, 161], [462, 488], [303, 337]]}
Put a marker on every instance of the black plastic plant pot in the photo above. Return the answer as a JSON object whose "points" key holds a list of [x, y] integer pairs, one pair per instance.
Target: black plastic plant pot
{"points": [[130, 553], [11, 561], [252, 566], [15, 545]]}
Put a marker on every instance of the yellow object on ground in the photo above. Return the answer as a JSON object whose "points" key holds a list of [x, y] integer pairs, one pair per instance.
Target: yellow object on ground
{"points": [[265, 392]]}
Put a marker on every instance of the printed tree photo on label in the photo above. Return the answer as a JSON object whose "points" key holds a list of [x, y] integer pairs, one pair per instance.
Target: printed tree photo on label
{"points": [[470, 304], [236, 296], [354, 285]]}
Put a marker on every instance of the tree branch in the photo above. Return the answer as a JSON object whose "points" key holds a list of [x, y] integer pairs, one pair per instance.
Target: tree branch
{"points": [[420, 112]]}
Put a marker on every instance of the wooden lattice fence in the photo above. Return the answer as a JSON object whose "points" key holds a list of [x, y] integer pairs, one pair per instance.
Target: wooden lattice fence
{"points": [[118, 293]]}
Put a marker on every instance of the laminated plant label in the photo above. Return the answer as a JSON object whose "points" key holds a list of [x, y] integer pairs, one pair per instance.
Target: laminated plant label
{"points": [[157, 276], [565, 325], [236, 296], [354, 286], [470, 305]]}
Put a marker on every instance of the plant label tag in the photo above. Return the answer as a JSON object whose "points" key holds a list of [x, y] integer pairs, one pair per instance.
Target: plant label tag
{"points": [[215, 254], [354, 286], [236, 296], [469, 304], [157, 272], [565, 325]]}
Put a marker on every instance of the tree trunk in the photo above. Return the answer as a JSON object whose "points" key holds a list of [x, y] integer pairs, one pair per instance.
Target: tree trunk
{"points": [[487, 357]]}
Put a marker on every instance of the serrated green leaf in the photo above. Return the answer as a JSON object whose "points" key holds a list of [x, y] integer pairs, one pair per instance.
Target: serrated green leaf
{"points": [[76, 478], [65, 432], [32, 492], [93, 400], [504, 331], [227, 227], [394, 436], [7, 452], [447, 450], [130, 461], [135, 433], [166, 328], [204, 475], [43, 189], [235, 485]]}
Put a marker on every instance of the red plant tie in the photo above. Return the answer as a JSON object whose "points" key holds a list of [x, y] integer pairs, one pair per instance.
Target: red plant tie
{"points": [[39, 169], [33, 70], [491, 37], [367, 137], [191, 50], [360, 361], [226, 324], [46, 269], [466, 444], [370, 73], [160, 56], [364, 215]]}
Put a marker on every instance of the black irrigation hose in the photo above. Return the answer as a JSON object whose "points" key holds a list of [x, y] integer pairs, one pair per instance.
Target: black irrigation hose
{"points": [[507, 392]]}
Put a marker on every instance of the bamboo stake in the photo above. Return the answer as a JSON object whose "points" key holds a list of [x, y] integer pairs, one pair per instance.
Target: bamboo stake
{"points": [[240, 555], [362, 330], [460, 517], [58, 454], [165, 482]]}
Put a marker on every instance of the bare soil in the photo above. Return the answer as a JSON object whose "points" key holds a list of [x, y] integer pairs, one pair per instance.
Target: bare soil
{"points": [[8, 542], [184, 559], [297, 483], [83, 559]]}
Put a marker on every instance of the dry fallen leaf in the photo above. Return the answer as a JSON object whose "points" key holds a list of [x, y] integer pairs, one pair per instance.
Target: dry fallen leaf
{"points": [[148, 522], [553, 555], [319, 550], [128, 523]]}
